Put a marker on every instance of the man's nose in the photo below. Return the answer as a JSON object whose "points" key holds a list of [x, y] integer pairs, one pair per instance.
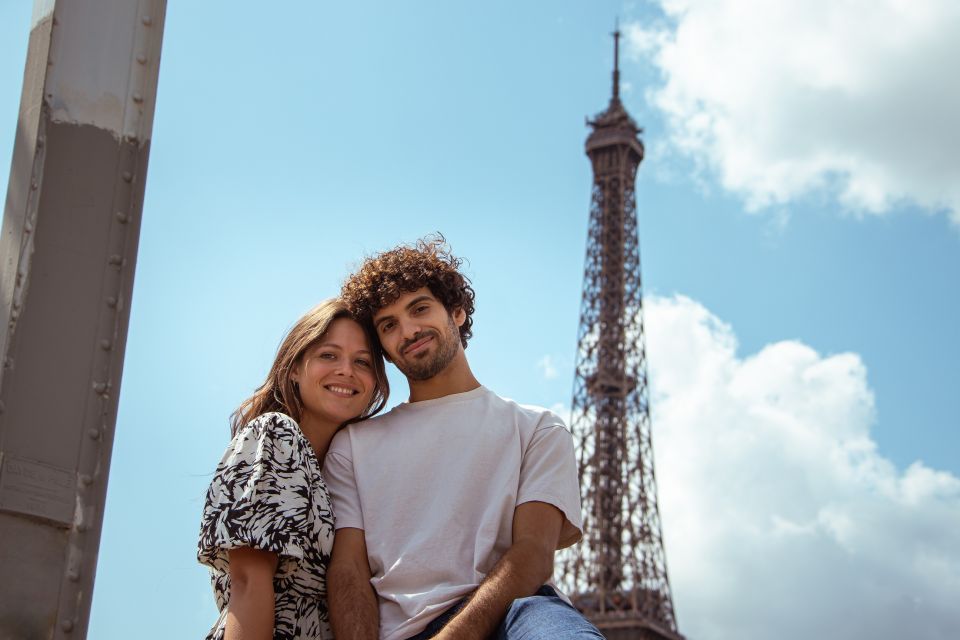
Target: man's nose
{"points": [[410, 328]]}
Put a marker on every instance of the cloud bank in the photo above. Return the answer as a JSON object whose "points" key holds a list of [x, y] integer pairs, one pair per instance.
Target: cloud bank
{"points": [[781, 99], [781, 519]]}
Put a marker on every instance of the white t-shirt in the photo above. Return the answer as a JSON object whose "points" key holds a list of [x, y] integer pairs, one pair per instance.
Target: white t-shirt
{"points": [[434, 485]]}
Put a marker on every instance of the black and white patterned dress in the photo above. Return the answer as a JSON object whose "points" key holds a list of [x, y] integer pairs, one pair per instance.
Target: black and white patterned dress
{"points": [[268, 494]]}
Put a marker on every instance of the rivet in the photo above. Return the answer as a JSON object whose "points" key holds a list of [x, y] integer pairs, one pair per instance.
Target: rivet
{"points": [[67, 625], [8, 363], [122, 217], [112, 302], [147, 20], [83, 526], [137, 98], [73, 575], [16, 304], [34, 185], [106, 345], [100, 387], [115, 259], [93, 433], [28, 226], [40, 142], [127, 176], [142, 59], [86, 480]]}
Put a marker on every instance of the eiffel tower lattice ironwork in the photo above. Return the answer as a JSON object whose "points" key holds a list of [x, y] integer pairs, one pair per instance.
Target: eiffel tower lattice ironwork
{"points": [[618, 574]]}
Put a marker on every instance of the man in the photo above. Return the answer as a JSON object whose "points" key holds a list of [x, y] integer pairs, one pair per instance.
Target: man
{"points": [[449, 508]]}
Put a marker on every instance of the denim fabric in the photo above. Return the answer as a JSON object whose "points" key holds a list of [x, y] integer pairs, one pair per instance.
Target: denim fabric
{"points": [[542, 616]]}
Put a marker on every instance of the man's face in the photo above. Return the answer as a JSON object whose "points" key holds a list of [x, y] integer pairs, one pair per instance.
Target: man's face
{"points": [[418, 334]]}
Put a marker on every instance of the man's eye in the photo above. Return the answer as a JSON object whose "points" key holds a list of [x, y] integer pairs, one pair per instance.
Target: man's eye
{"points": [[421, 308], [386, 326]]}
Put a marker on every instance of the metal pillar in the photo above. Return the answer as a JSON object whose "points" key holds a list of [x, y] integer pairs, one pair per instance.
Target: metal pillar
{"points": [[68, 249]]}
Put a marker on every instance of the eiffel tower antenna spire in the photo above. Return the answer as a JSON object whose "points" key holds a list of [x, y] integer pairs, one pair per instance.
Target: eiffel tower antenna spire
{"points": [[616, 61]]}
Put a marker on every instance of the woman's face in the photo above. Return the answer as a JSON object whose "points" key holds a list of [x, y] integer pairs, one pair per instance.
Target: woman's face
{"points": [[336, 374]]}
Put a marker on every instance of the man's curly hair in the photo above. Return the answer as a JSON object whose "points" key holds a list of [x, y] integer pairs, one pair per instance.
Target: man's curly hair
{"points": [[383, 278]]}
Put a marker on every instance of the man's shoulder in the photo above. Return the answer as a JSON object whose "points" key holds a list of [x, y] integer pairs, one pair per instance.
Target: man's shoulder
{"points": [[532, 414]]}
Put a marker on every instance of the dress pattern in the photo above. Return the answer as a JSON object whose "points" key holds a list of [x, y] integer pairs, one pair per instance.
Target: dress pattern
{"points": [[268, 494]]}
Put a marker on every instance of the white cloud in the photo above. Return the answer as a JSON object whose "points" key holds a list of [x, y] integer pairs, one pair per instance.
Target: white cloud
{"points": [[547, 367], [784, 98], [781, 519]]}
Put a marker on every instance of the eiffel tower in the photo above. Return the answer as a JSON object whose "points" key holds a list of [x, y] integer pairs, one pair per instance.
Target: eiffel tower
{"points": [[617, 575]]}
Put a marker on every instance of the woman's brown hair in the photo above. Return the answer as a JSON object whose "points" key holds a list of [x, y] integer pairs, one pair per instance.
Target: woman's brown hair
{"points": [[278, 393]]}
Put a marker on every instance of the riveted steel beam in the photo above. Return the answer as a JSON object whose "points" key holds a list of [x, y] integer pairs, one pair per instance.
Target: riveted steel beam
{"points": [[68, 248]]}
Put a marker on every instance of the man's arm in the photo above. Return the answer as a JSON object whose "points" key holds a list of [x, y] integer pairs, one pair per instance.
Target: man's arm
{"points": [[250, 612], [350, 597], [523, 569]]}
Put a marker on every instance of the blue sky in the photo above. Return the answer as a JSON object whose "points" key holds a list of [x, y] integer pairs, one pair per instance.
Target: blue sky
{"points": [[800, 249]]}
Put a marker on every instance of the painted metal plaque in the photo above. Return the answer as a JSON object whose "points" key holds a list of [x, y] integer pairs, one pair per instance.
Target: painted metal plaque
{"points": [[37, 489]]}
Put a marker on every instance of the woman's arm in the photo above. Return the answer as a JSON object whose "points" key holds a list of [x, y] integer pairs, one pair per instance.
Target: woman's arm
{"points": [[250, 612]]}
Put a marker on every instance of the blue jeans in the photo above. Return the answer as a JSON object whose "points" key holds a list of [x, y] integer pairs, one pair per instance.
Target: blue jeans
{"points": [[542, 616]]}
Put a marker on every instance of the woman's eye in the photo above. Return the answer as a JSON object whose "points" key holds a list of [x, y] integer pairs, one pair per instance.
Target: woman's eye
{"points": [[363, 363], [326, 355]]}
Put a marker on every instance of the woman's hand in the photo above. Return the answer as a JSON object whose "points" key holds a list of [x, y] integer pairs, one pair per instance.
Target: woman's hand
{"points": [[250, 610]]}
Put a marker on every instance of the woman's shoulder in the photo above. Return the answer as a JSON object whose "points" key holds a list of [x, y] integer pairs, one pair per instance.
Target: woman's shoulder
{"points": [[275, 420], [273, 428]]}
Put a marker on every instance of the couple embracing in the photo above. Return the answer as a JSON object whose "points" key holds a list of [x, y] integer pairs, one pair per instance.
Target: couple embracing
{"points": [[438, 519]]}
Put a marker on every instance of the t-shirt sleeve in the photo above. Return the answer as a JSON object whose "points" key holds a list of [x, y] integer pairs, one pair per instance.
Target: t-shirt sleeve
{"points": [[342, 482], [259, 496], [548, 473]]}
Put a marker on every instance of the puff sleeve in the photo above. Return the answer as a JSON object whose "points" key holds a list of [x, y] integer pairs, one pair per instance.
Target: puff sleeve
{"points": [[260, 495]]}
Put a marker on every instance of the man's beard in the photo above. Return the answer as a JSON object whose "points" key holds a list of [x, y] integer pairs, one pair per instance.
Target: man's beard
{"points": [[446, 351]]}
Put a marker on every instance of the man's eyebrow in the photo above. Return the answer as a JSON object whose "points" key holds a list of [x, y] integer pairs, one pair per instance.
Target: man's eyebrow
{"points": [[418, 300], [412, 303]]}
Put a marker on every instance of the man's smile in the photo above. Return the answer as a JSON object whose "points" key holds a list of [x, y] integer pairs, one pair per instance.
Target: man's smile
{"points": [[417, 346]]}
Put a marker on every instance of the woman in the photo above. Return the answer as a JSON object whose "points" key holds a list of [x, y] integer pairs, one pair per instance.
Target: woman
{"points": [[267, 527]]}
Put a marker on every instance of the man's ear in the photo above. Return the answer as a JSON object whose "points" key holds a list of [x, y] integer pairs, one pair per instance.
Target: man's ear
{"points": [[459, 316]]}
